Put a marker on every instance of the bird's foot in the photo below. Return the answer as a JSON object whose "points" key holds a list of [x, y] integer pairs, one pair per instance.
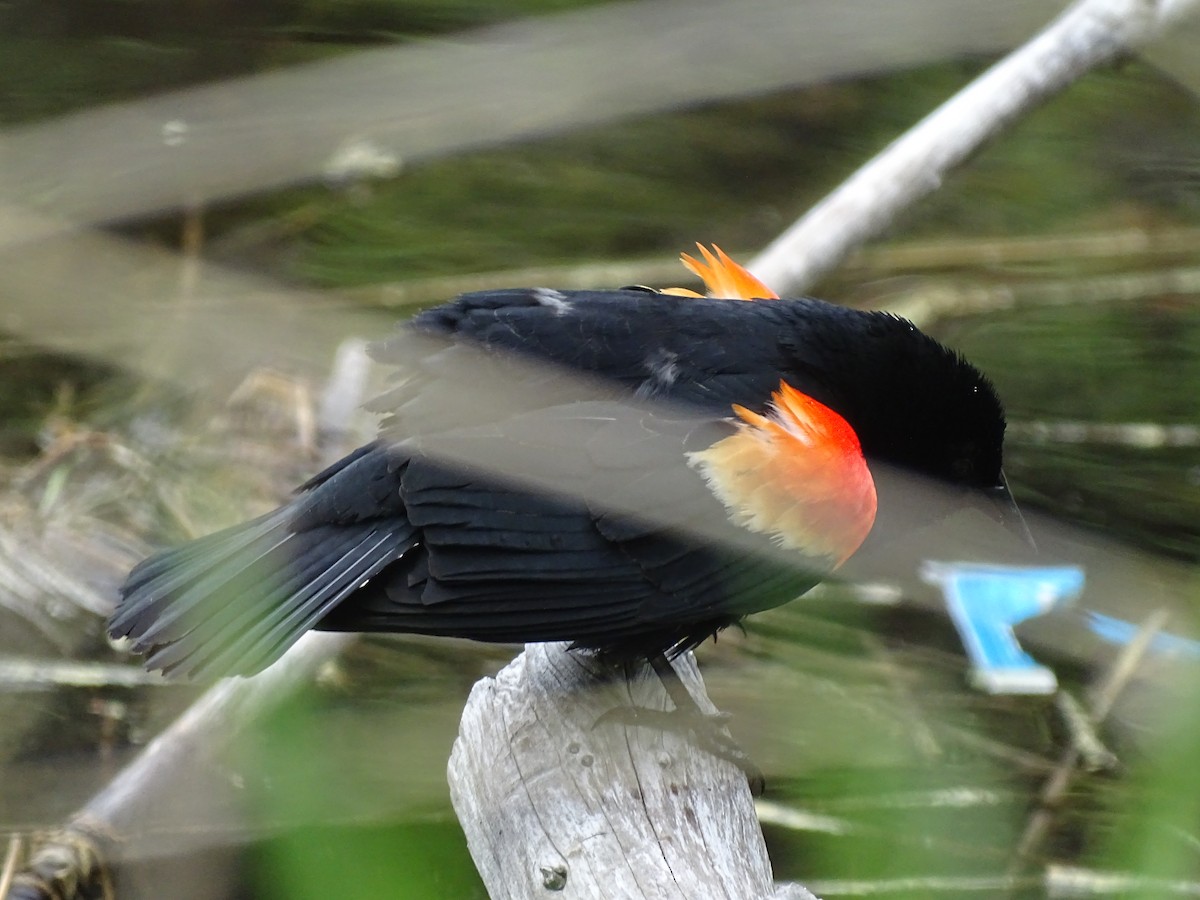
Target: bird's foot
{"points": [[707, 730]]}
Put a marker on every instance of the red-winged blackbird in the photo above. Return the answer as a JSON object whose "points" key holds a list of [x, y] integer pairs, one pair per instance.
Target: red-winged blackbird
{"points": [[731, 454]]}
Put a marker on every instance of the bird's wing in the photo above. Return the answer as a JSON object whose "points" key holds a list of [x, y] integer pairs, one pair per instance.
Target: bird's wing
{"points": [[601, 533], [232, 602], [597, 530]]}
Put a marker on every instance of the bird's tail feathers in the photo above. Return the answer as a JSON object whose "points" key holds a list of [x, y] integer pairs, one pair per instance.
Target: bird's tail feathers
{"points": [[233, 602]]}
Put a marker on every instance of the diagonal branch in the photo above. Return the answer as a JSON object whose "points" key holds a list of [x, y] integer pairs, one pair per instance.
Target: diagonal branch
{"points": [[1088, 34]]}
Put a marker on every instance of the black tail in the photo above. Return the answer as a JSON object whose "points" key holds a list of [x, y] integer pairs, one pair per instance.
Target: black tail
{"points": [[233, 602]]}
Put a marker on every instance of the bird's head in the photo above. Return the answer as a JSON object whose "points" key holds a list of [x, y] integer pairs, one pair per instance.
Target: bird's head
{"points": [[930, 424], [873, 422]]}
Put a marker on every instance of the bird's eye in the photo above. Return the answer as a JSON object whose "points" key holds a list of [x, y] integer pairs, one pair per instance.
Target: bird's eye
{"points": [[639, 287]]}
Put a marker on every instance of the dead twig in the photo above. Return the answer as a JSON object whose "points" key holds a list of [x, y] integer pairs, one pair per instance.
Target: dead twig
{"points": [[1055, 788], [1075, 881], [15, 847], [1093, 755], [1130, 245], [27, 673], [1139, 435], [930, 302]]}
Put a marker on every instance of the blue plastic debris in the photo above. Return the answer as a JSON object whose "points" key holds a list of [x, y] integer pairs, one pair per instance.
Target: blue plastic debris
{"points": [[985, 602], [1118, 631]]}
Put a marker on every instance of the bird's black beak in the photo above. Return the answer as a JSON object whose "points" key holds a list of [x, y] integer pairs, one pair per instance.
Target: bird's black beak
{"points": [[1003, 509]]}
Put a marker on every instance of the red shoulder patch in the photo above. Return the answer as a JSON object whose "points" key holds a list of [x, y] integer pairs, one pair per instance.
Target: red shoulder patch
{"points": [[797, 473]]}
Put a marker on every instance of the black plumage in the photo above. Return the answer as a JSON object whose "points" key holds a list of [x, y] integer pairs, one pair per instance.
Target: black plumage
{"points": [[408, 534]]}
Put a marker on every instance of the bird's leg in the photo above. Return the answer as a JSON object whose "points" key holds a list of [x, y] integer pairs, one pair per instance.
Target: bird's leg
{"points": [[708, 729], [677, 690]]}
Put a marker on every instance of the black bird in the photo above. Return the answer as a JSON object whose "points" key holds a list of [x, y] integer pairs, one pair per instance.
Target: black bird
{"points": [[718, 459]]}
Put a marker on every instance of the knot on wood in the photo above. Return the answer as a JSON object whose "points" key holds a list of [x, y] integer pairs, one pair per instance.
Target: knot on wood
{"points": [[554, 878]]}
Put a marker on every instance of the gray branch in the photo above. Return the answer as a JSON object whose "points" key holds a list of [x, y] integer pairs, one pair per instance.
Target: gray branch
{"points": [[1088, 34]]}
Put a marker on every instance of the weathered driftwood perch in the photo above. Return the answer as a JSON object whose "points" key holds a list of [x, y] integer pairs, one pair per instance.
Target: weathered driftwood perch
{"points": [[557, 803]]}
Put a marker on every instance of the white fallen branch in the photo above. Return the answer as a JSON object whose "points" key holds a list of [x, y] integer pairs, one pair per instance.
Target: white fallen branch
{"points": [[553, 800], [198, 736], [1090, 33]]}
